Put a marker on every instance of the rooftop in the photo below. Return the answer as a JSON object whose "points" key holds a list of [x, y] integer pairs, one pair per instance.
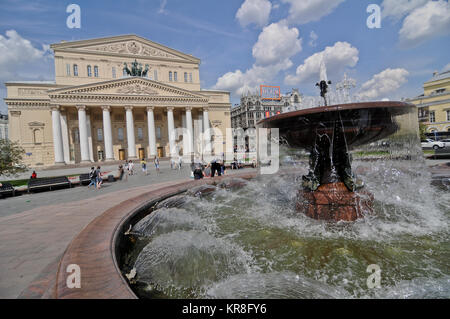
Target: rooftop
{"points": [[440, 76]]}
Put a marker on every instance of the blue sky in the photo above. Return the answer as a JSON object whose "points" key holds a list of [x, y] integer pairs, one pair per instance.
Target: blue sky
{"points": [[246, 43]]}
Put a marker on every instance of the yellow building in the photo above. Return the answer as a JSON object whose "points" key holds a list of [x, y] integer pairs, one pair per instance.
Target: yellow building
{"points": [[117, 98], [434, 105]]}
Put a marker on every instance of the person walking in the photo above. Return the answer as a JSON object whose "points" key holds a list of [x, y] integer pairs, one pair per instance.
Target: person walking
{"points": [[99, 178], [34, 175], [156, 161], [121, 172], [93, 177], [130, 167], [180, 161], [144, 166]]}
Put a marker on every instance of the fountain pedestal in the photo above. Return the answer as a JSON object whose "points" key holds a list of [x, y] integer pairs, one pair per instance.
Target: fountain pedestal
{"points": [[333, 201]]}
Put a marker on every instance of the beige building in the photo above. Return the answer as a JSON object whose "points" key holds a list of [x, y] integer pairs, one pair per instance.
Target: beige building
{"points": [[95, 111], [434, 104]]}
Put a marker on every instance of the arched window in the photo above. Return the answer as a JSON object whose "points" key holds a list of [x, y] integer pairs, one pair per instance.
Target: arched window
{"points": [[96, 71], [295, 98], [89, 70], [185, 77], [170, 76], [75, 70], [175, 76], [190, 77], [249, 104]]}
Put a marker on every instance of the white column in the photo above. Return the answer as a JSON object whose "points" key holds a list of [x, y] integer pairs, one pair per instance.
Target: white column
{"points": [[57, 136], [206, 132], [151, 131], [171, 131], [65, 138], [82, 128], [130, 132], [89, 132], [190, 136], [107, 133]]}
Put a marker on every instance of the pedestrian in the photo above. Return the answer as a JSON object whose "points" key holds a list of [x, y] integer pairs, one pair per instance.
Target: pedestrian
{"points": [[180, 160], [198, 171], [121, 172], [222, 168], [208, 170], [130, 167], [34, 175], [144, 166], [99, 178], [92, 177], [156, 161]]}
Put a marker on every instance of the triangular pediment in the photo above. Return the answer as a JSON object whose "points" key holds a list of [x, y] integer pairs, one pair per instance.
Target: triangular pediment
{"points": [[128, 45], [131, 86]]}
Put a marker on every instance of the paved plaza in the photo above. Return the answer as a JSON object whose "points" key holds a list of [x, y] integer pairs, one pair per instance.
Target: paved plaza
{"points": [[35, 229]]}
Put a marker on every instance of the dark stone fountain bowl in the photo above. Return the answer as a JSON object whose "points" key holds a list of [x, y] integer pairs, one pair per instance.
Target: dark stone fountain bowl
{"points": [[362, 123]]}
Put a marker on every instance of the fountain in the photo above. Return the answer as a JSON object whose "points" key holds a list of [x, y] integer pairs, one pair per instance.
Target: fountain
{"points": [[329, 133], [242, 238]]}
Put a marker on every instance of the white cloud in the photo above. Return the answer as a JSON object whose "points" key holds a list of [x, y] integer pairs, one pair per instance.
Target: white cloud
{"points": [[383, 83], [162, 7], [254, 11], [19, 60], [313, 39], [16, 51], [304, 11], [276, 44], [397, 9], [446, 68], [239, 82], [423, 23], [336, 58]]}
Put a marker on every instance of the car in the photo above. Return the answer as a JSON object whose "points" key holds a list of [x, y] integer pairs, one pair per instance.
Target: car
{"points": [[429, 143], [446, 142]]}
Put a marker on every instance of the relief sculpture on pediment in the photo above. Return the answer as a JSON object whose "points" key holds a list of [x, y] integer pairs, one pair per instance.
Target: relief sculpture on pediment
{"points": [[137, 89]]}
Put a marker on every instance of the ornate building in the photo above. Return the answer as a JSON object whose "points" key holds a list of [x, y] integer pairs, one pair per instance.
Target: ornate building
{"points": [[253, 108], [434, 104], [116, 98]]}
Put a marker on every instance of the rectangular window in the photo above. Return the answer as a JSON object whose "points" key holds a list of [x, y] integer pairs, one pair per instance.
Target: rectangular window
{"points": [[96, 71], [113, 72], [432, 117], [170, 76], [140, 133], [158, 132], [185, 77], [124, 72], [448, 115], [120, 133], [155, 75], [190, 77], [75, 70], [175, 76], [99, 134], [89, 70], [68, 69]]}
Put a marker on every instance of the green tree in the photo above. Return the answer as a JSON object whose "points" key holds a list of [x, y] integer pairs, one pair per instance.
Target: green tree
{"points": [[422, 131], [11, 156]]}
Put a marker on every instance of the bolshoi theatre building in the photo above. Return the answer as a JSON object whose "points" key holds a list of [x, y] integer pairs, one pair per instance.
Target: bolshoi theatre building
{"points": [[116, 98]]}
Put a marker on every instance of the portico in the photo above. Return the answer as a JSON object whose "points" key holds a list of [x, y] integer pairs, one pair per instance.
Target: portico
{"points": [[148, 98]]}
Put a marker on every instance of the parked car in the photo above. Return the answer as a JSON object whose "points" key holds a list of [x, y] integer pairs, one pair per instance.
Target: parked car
{"points": [[446, 142], [429, 143]]}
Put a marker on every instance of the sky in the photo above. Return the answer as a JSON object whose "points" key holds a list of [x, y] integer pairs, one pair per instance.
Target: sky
{"points": [[245, 43]]}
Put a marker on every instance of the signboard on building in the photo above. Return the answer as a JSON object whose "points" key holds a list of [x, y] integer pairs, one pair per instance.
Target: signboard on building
{"points": [[269, 92]]}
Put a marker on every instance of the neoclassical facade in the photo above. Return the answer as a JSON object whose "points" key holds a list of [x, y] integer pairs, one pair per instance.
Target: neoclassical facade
{"points": [[95, 110]]}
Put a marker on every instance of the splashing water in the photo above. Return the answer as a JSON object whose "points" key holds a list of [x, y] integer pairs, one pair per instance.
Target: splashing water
{"points": [[249, 242]]}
